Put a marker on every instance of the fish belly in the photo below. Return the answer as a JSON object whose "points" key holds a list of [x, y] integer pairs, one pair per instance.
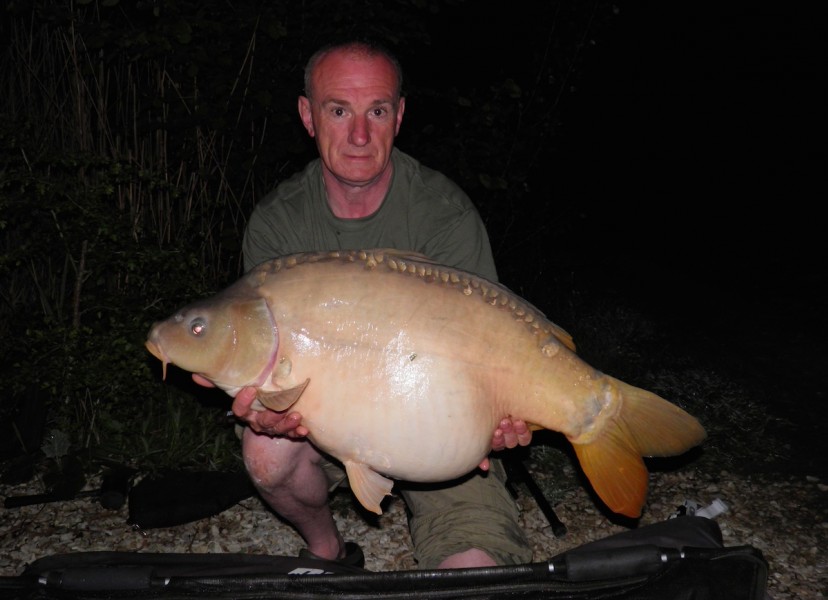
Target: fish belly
{"points": [[433, 426]]}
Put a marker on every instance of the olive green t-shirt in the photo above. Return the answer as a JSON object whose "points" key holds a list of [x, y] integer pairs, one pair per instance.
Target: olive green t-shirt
{"points": [[424, 211]]}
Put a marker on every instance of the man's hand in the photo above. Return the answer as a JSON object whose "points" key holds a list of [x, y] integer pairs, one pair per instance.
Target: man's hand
{"points": [[260, 419], [508, 435]]}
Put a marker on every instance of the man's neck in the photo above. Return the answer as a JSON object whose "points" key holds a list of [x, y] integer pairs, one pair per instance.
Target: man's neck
{"points": [[356, 201]]}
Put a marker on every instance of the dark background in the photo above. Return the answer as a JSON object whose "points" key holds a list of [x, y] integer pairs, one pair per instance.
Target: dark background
{"points": [[704, 125], [699, 139], [691, 164], [691, 146], [628, 158]]}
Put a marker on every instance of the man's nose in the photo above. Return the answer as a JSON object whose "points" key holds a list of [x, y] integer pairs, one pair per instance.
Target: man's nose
{"points": [[360, 134]]}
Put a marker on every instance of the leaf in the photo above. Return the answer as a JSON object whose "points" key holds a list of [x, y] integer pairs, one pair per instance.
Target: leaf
{"points": [[56, 445]]}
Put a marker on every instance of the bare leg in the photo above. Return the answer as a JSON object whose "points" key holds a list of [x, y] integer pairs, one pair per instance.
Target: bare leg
{"points": [[471, 558], [287, 474]]}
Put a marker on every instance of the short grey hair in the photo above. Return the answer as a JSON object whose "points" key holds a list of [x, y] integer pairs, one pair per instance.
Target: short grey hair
{"points": [[356, 47]]}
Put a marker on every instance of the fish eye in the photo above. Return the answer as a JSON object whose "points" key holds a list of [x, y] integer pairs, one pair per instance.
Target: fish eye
{"points": [[197, 326]]}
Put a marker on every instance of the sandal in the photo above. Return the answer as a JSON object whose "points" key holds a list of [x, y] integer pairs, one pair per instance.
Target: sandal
{"points": [[353, 556]]}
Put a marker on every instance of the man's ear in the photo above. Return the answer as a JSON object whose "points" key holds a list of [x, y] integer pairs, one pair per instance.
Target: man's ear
{"points": [[400, 111], [307, 116]]}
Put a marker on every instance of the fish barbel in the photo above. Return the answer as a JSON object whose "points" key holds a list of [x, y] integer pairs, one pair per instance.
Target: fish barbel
{"points": [[402, 368]]}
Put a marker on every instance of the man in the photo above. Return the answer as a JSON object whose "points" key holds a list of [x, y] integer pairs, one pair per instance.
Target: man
{"points": [[364, 193]]}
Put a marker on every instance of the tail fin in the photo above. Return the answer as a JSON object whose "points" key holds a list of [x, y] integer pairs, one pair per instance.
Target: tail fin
{"points": [[646, 425]]}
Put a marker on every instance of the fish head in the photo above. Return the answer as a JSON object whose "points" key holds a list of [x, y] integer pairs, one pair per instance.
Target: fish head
{"points": [[230, 340]]}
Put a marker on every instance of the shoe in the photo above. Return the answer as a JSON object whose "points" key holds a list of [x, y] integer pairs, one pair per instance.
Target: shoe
{"points": [[353, 556]]}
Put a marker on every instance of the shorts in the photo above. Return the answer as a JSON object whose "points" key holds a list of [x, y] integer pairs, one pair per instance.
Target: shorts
{"points": [[476, 511]]}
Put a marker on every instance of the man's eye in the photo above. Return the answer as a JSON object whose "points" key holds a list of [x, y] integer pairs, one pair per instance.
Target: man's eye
{"points": [[379, 112], [338, 112]]}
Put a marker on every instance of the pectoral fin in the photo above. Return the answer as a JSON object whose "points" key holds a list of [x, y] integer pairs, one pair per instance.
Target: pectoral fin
{"points": [[369, 486], [283, 399]]}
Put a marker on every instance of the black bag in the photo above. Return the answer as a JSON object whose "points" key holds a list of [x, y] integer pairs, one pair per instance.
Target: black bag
{"points": [[679, 559], [179, 497]]}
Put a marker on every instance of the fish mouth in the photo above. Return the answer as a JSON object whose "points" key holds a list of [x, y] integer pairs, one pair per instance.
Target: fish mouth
{"points": [[156, 351]]}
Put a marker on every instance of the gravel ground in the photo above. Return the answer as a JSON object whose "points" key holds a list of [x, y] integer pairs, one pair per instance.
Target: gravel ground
{"points": [[784, 516]]}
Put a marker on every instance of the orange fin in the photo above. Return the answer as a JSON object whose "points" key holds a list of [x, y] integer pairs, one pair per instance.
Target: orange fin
{"points": [[283, 399], [659, 427], [646, 425], [369, 486], [616, 471]]}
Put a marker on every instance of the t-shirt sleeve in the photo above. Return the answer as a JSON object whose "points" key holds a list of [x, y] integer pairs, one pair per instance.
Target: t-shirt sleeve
{"points": [[464, 244], [261, 240], [444, 223]]}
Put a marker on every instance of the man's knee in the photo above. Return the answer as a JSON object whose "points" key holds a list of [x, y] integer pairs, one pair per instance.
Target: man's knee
{"points": [[275, 461], [477, 513]]}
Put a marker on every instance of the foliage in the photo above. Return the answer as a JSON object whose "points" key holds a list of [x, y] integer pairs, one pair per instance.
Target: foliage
{"points": [[136, 138]]}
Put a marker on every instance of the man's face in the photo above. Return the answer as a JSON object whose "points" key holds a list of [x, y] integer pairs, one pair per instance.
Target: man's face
{"points": [[354, 115]]}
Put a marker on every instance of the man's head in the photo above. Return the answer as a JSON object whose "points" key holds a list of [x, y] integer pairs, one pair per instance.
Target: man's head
{"points": [[353, 108]]}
